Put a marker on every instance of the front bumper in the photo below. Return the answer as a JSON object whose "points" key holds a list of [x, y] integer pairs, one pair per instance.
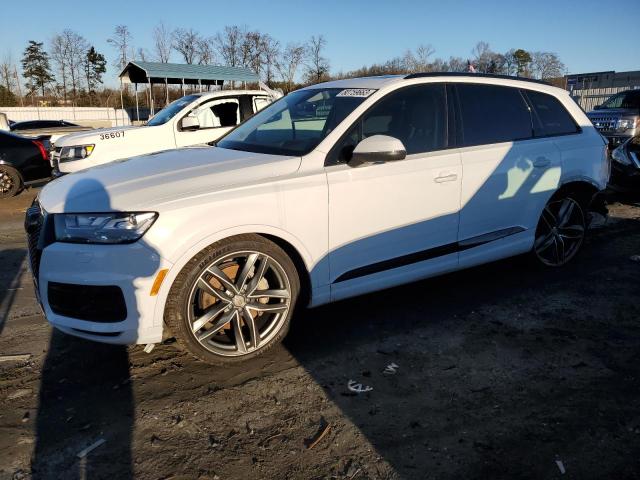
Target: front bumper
{"points": [[131, 268]]}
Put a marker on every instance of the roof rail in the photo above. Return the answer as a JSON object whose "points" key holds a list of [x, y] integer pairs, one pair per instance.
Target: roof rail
{"points": [[469, 74]]}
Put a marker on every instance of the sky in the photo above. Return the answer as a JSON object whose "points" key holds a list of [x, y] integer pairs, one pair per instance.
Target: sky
{"points": [[358, 33]]}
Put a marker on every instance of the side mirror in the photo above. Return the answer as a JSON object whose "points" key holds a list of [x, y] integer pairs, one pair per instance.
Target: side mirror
{"points": [[190, 123], [377, 149]]}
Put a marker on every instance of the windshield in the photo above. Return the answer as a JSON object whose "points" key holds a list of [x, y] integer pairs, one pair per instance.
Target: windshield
{"points": [[295, 124], [624, 100], [171, 110]]}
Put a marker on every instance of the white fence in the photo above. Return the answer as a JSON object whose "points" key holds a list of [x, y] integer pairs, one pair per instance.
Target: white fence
{"points": [[588, 98], [90, 116]]}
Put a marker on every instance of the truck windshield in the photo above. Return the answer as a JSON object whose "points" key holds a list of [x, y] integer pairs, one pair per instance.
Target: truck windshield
{"points": [[629, 99], [171, 110], [295, 124]]}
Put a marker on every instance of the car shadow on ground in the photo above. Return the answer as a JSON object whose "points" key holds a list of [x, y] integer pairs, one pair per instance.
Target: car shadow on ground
{"points": [[480, 394], [89, 399], [11, 261]]}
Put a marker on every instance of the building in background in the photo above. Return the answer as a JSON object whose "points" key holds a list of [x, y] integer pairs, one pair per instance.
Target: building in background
{"points": [[591, 89]]}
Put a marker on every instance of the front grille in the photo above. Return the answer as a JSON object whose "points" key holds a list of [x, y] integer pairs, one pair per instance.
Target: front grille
{"points": [[33, 226], [604, 124], [94, 303]]}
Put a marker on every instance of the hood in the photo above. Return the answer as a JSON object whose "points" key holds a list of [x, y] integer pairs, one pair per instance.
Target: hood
{"points": [[81, 138], [613, 112], [150, 182]]}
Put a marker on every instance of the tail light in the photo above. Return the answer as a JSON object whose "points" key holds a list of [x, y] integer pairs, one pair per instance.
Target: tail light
{"points": [[43, 151]]}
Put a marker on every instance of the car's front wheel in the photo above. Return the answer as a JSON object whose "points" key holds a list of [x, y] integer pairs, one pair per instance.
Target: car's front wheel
{"points": [[560, 232], [234, 300]]}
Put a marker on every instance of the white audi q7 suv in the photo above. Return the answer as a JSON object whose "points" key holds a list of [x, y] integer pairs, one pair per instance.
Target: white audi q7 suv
{"points": [[335, 190]]}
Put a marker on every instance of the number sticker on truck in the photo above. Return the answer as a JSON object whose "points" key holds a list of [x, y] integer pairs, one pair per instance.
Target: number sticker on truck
{"points": [[110, 135], [356, 92]]}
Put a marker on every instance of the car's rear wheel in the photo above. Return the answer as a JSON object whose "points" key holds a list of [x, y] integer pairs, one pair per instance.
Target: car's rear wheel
{"points": [[234, 300], [10, 181], [560, 232]]}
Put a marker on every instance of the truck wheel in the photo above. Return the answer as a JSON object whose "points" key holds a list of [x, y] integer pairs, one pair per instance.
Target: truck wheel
{"points": [[10, 181], [234, 300]]}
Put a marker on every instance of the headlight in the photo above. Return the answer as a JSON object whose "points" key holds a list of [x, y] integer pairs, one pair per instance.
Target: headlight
{"points": [[626, 124], [77, 152], [105, 228]]}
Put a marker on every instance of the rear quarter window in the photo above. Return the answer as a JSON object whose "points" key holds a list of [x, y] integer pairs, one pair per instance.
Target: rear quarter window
{"points": [[550, 116]]}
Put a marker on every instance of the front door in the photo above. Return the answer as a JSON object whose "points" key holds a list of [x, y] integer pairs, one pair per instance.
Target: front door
{"points": [[216, 117], [397, 221]]}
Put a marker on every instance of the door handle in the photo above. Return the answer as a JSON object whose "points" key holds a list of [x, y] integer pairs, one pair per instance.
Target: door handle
{"points": [[541, 162], [446, 178]]}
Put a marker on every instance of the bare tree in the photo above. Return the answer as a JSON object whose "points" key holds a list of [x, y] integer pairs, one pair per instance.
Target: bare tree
{"points": [[121, 41], [271, 53], [186, 44], [59, 57], [68, 51], [546, 65], [456, 64], [228, 43], [288, 63], [510, 62], [317, 64], [162, 42], [206, 51], [142, 54], [482, 56], [7, 68]]}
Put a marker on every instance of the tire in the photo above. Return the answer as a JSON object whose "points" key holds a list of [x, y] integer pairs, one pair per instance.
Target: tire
{"points": [[218, 307], [10, 181], [561, 231]]}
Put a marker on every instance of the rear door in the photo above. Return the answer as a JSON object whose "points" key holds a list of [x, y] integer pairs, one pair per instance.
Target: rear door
{"points": [[508, 175]]}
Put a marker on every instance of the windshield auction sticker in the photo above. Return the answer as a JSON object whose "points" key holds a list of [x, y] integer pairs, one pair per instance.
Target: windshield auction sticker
{"points": [[356, 92]]}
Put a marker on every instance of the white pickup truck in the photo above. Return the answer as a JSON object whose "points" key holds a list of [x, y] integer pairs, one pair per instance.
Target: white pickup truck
{"points": [[191, 120]]}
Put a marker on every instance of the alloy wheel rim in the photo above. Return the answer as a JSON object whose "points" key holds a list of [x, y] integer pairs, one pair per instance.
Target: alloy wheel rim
{"points": [[560, 232], [239, 303], [6, 182]]}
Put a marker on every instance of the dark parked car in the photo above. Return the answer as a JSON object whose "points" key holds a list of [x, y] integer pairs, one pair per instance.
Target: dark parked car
{"points": [[618, 119], [35, 124], [625, 167], [21, 160]]}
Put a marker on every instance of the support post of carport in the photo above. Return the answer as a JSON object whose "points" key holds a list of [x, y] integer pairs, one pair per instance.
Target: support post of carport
{"points": [[137, 106], [151, 95], [166, 86], [121, 105], [183, 87]]}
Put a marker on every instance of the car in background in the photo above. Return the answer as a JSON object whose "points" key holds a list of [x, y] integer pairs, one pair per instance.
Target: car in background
{"points": [[52, 129], [625, 167], [22, 160], [197, 119], [618, 119], [39, 124], [336, 190]]}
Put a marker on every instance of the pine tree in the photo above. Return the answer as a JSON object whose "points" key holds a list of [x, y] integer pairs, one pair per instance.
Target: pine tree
{"points": [[35, 67], [94, 66]]}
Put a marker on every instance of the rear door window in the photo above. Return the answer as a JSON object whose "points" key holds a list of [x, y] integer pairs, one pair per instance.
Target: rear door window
{"points": [[550, 116], [492, 114]]}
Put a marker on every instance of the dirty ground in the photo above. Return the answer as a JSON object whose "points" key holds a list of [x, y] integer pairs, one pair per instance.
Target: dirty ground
{"points": [[503, 371]]}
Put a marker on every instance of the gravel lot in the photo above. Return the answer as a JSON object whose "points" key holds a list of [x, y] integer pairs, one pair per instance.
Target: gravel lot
{"points": [[504, 371]]}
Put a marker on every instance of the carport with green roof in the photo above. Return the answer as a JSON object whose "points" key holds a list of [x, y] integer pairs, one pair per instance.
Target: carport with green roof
{"points": [[204, 76]]}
